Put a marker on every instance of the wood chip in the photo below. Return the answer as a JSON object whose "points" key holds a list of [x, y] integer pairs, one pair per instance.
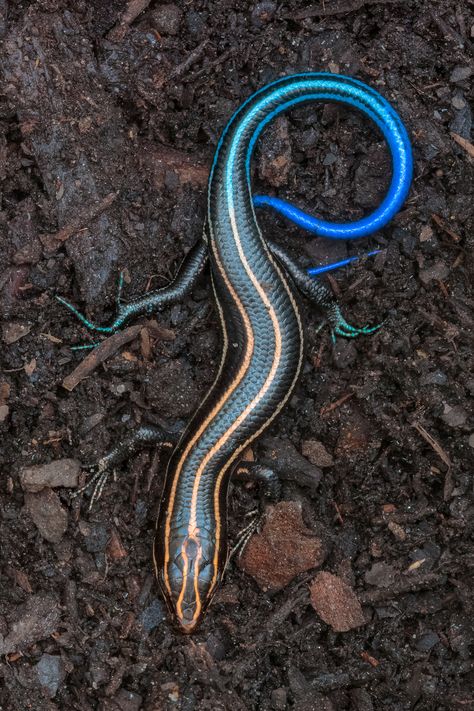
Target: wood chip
{"points": [[433, 443], [100, 354], [343, 7], [464, 143]]}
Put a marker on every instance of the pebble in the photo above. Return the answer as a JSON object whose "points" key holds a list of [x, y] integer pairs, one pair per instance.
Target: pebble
{"points": [[437, 377], [471, 440], [454, 416], [13, 331], [284, 548], [61, 472], [167, 19], [381, 575], [152, 616], [50, 670], [439, 270], [279, 699], [4, 412], [427, 641], [262, 13], [37, 620], [336, 602], [49, 517], [126, 700], [282, 456], [460, 74], [95, 535], [317, 453]]}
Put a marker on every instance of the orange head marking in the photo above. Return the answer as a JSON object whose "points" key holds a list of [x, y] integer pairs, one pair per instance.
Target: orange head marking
{"points": [[187, 581]]}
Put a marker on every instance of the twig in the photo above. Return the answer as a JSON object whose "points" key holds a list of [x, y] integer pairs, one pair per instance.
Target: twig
{"points": [[334, 405], [54, 241], [464, 143], [100, 354], [405, 585], [131, 12], [433, 443], [442, 224], [339, 8]]}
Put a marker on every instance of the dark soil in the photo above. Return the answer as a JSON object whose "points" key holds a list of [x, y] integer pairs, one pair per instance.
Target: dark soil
{"points": [[91, 108]]}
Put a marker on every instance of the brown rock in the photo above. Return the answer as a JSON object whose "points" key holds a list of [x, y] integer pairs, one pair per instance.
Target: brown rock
{"points": [[283, 549], [61, 472], [48, 515], [37, 620], [317, 453], [336, 602], [283, 457], [14, 330], [439, 270], [167, 19]]}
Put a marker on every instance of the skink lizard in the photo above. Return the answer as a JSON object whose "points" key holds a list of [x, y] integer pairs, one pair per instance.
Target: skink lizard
{"points": [[254, 283]]}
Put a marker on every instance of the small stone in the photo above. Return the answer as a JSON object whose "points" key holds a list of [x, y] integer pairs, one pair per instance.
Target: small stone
{"points": [[115, 548], [438, 271], [152, 616], [167, 19], [49, 517], [284, 548], [126, 700], [460, 74], [36, 620], [336, 602], [381, 575], [426, 233], [397, 530], [95, 536], [437, 377], [13, 331], [4, 412], [61, 472], [317, 453], [458, 102], [262, 13], [454, 416], [282, 456], [471, 440], [427, 641], [51, 673], [279, 699]]}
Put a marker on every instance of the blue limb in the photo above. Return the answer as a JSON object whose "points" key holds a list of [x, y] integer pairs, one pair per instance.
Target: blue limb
{"points": [[88, 324], [313, 271], [119, 290], [86, 347], [340, 327]]}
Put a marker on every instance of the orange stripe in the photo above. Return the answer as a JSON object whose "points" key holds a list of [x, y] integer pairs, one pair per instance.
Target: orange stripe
{"points": [[243, 369]]}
